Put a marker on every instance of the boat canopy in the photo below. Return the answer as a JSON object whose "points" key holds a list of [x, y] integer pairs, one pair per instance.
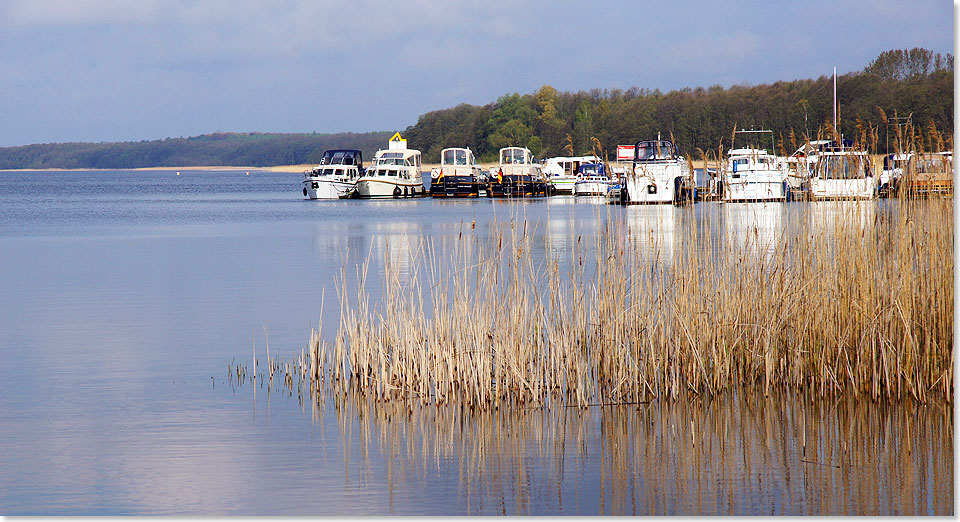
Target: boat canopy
{"points": [[405, 157], [655, 150], [592, 169], [821, 146], [843, 166], [342, 157], [515, 156], [456, 156]]}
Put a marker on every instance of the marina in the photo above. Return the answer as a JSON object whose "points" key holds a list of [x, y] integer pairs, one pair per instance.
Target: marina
{"points": [[155, 345]]}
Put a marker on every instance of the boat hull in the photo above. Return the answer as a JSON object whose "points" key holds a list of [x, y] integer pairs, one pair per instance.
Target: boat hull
{"points": [[563, 185], [512, 187], [772, 190], [326, 189], [860, 188], [381, 187], [458, 187], [591, 188]]}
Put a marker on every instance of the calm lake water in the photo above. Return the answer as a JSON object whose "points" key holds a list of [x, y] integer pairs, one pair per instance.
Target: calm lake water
{"points": [[126, 295]]}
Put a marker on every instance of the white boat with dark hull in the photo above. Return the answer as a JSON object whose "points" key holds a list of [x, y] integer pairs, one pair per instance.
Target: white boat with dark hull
{"points": [[518, 175], [458, 175], [335, 177], [658, 174], [394, 173], [843, 174], [753, 175]]}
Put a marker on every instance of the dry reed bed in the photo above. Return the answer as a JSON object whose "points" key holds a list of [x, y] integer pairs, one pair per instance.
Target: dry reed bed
{"points": [[842, 303]]}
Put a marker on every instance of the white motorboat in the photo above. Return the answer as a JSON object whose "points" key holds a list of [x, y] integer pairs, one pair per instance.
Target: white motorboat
{"points": [[843, 174], [753, 175], [658, 174], [394, 173], [592, 180], [561, 171], [335, 177]]}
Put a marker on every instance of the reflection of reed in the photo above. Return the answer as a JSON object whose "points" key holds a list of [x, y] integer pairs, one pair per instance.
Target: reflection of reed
{"points": [[734, 454]]}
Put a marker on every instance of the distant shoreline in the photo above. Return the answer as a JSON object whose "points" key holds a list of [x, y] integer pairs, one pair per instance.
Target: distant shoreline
{"points": [[276, 168]]}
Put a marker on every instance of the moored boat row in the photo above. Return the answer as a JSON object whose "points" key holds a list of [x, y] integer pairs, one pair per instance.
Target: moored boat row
{"points": [[656, 173]]}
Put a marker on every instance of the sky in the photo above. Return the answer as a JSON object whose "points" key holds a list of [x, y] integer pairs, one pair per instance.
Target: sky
{"points": [[120, 70]]}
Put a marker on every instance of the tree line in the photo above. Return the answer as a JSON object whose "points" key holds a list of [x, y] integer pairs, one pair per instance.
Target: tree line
{"points": [[898, 85], [246, 149]]}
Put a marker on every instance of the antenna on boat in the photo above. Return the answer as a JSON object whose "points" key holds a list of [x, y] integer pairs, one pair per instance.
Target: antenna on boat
{"points": [[835, 129]]}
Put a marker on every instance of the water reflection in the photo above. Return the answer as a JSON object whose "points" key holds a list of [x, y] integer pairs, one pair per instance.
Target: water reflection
{"points": [[733, 455], [752, 228]]}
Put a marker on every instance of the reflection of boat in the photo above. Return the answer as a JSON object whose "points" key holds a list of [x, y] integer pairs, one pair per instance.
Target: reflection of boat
{"points": [[394, 173], [752, 229], [592, 180], [518, 175], [655, 230], [561, 172], [336, 175], [843, 174], [753, 175], [658, 174], [458, 175]]}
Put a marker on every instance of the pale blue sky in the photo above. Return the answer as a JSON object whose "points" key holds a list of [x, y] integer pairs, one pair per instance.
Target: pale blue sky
{"points": [[115, 70]]}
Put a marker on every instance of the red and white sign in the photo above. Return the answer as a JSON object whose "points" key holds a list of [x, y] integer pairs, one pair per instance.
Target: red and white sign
{"points": [[624, 152]]}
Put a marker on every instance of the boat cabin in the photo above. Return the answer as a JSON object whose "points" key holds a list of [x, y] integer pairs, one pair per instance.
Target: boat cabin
{"points": [[397, 163], [516, 156], [342, 157], [457, 157], [746, 160], [843, 165], [655, 150], [340, 163], [405, 158], [592, 171]]}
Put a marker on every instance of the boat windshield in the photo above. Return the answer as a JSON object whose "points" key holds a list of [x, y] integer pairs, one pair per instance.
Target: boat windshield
{"points": [[591, 169], [845, 166], [933, 164], [654, 150], [340, 157], [513, 156], [393, 158], [454, 157]]}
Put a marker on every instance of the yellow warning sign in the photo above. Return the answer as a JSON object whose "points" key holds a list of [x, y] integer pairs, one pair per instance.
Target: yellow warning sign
{"points": [[396, 137]]}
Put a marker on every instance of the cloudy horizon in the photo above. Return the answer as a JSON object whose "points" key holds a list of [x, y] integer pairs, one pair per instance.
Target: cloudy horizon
{"points": [[110, 70]]}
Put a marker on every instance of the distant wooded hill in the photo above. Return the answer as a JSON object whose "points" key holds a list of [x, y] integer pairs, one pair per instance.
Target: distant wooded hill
{"points": [[915, 84], [246, 149]]}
